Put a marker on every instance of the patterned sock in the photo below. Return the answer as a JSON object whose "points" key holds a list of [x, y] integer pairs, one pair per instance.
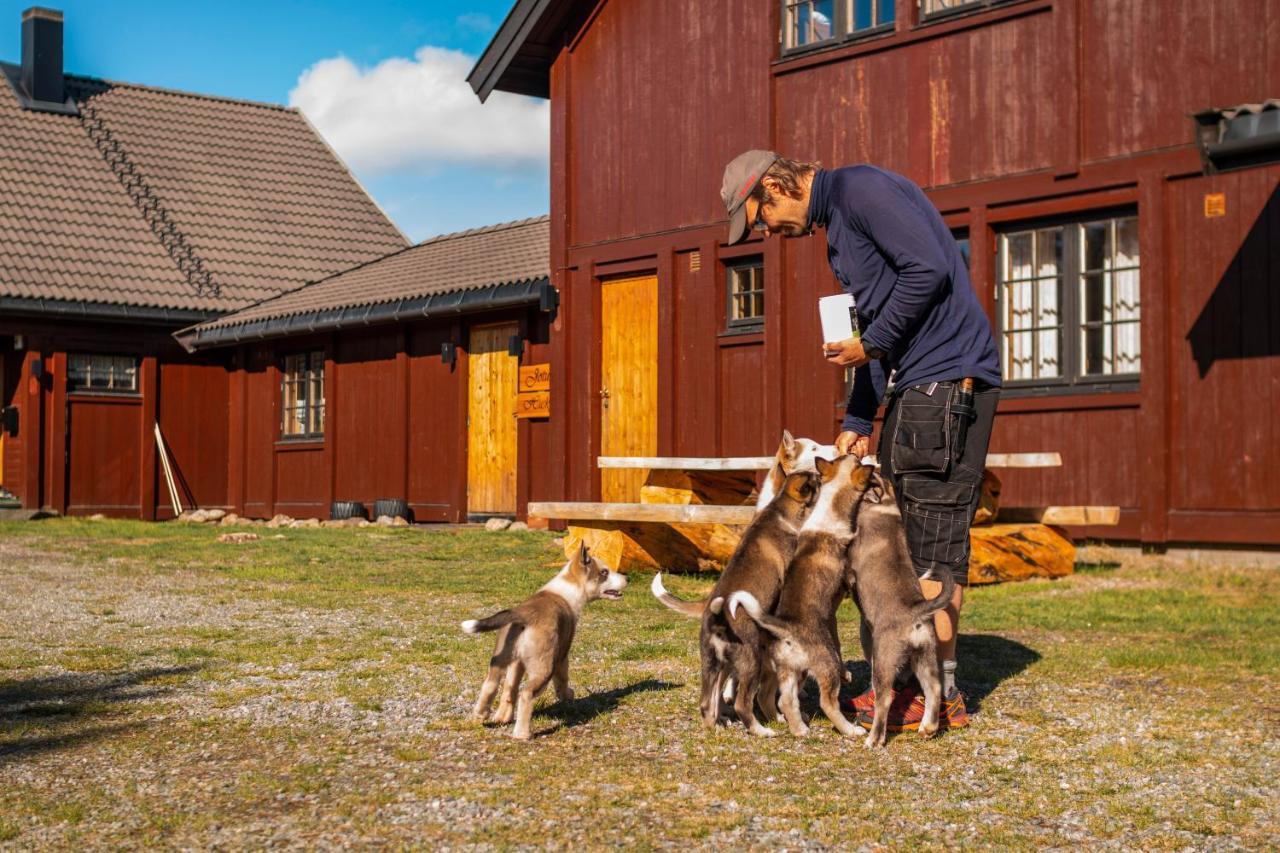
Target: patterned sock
{"points": [[948, 677]]}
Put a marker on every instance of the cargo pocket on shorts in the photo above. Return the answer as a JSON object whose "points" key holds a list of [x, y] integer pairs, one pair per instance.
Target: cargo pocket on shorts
{"points": [[921, 438], [937, 520]]}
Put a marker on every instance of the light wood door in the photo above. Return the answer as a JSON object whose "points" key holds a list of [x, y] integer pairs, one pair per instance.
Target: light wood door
{"points": [[491, 422], [629, 380]]}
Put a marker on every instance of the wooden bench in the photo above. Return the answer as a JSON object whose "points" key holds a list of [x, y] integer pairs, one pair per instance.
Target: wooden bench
{"points": [[692, 512]]}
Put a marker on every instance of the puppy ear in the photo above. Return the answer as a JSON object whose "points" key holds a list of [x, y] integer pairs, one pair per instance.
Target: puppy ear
{"points": [[584, 554], [875, 487], [823, 465], [788, 442]]}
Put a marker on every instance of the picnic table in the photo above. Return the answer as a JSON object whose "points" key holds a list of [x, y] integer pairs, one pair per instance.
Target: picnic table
{"points": [[692, 511]]}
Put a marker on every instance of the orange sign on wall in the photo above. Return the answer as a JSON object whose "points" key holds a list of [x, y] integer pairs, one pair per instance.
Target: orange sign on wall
{"points": [[1215, 204], [533, 404], [535, 377]]}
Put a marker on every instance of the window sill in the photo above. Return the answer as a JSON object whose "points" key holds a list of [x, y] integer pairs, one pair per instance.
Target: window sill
{"points": [[123, 397], [1050, 399], [289, 444], [936, 26]]}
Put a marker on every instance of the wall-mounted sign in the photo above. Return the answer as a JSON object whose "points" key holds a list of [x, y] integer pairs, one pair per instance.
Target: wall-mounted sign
{"points": [[533, 404], [1215, 204], [535, 377]]}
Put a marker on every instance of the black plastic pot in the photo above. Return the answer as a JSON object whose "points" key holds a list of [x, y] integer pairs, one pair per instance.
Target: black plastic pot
{"points": [[395, 508], [339, 510]]}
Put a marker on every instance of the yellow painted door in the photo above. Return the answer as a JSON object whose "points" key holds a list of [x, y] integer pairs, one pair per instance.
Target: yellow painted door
{"points": [[629, 381], [491, 422]]}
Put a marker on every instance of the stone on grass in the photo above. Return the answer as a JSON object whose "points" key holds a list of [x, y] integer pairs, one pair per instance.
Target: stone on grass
{"points": [[383, 521], [497, 524], [397, 521], [97, 516], [518, 525], [237, 538], [280, 520], [304, 522], [229, 519], [215, 514]]}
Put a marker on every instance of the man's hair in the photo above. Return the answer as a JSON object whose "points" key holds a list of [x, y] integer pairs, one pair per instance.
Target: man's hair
{"points": [[788, 174]]}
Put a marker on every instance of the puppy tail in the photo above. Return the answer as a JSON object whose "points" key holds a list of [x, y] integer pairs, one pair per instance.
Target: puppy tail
{"points": [[490, 623], [692, 609], [778, 627], [930, 606]]}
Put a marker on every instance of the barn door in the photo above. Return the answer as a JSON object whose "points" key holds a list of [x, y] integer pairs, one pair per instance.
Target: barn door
{"points": [[628, 380], [491, 422]]}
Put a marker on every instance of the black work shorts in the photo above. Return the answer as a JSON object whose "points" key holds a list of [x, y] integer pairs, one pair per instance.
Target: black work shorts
{"points": [[936, 476]]}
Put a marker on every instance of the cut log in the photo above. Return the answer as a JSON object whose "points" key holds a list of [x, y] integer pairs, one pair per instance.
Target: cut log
{"points": [[626, 546], [1061, 515], [724, 488], [1010, 552], [989, 500]]}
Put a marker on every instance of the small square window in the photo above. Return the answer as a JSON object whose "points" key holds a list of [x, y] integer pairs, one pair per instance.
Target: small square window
{"points": [[807, 22], [302, 395], [745, 291], [102, 374]]}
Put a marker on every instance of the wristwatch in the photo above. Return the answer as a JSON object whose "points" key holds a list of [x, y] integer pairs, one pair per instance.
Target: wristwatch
{"points": [[874, 353]]}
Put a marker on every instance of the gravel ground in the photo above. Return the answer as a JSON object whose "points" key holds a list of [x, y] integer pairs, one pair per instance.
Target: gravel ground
{"points": [[192, 708]]}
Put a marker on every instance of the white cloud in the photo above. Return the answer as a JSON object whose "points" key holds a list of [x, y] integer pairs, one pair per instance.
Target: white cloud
{"points": [[420, 115]]}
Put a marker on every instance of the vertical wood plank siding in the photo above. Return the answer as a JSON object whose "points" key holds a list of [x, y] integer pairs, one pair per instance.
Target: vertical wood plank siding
{"points": [[1029, 110]]}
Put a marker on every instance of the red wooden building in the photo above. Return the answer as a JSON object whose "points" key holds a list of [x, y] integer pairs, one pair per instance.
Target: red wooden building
{"points": [[1121, 219]]}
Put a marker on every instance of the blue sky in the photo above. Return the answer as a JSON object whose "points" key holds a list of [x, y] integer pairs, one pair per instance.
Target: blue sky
{"points": [[359, 71]]}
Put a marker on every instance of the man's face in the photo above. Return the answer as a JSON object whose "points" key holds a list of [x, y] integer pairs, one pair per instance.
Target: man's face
{"points": [[781, 214]]}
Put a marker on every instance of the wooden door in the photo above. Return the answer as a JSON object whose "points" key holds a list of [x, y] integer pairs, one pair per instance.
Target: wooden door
{"points": [[629, 380], [491, 422]]}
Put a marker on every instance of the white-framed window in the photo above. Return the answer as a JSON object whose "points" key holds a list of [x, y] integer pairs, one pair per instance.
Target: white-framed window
{"points": [[102, 374], [806, 23], [744, 289], [942, 8], [1068, 302], [302, 395]]}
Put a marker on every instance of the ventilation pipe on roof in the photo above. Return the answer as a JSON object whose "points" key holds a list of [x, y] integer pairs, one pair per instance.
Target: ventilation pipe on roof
{"points": [[42, 55]]}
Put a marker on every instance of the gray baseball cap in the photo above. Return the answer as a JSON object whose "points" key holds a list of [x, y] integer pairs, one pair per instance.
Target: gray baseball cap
{"points": [[740, 178]]}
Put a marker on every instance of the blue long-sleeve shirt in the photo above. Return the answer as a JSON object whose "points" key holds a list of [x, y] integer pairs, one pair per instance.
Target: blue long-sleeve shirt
{"points": [[890, 249]]}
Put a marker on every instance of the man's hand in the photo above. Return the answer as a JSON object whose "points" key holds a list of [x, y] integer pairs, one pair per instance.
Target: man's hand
{"points": [[846, 353], [851, 442]]}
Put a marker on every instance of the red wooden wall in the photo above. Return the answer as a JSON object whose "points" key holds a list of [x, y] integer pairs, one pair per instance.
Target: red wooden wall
{"points": [[1024, 110]]}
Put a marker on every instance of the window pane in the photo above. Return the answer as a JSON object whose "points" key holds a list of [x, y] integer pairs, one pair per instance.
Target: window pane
{"points": [[1125, 284], [1018, 255], [1094, 238], [1017, 355], [1020, 309], [809, 21], [862, 15], [1048, 361], [1128, 348], [1048, 252], [1095, 350], [1047, 304], [1126, 248], [885, 13], [1095, 298]]}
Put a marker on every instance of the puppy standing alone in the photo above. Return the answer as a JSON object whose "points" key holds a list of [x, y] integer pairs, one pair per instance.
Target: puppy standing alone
{"points": [[534, 639]]}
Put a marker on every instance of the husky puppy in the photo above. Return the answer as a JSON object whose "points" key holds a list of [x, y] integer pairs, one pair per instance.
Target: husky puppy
{"points": [[534, 639], [803, 639], [729, 645]]}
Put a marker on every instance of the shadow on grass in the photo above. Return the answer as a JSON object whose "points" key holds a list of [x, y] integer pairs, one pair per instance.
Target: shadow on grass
{"points": [[1095, 567], [985, 660], [52, 712], [584, 709]]}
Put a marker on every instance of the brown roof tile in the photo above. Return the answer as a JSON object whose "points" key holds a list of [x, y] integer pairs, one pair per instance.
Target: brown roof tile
{"points": [[509, 253], [261, 199]]}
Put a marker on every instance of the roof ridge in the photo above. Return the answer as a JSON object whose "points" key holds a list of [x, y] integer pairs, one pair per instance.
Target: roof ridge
{"points": [[483, 229], [180, 93]]}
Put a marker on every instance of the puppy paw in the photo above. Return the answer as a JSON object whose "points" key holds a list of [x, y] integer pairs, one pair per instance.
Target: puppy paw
{"points": [[519, 734], [567, 695]]}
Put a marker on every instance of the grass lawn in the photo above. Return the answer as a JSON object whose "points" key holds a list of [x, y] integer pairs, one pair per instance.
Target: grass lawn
{"points": [[160, 688]]}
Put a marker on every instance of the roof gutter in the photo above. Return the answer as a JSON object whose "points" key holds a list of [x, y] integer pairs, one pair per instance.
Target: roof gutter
{"points": [[494, 297], [507, 42], [79, 309]]}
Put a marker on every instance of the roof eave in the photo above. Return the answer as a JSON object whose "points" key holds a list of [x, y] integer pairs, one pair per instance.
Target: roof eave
{"points": [[510, 63], [492, 297]]}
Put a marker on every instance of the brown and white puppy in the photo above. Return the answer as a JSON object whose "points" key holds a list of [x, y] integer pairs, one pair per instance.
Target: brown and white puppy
{"points": [[802, 628], [729, 645], [794, 454], [534, 639], [897, 620]]}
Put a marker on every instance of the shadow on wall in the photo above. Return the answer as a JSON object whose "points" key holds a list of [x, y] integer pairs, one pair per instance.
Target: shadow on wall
{"points": [[1242, 317]]}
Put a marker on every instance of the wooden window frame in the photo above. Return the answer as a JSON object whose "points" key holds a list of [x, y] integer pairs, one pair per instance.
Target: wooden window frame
{"points": [[842, 31], [312, 373], [965, 7], [1073, 379], [134, 391], [742, 325]]}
